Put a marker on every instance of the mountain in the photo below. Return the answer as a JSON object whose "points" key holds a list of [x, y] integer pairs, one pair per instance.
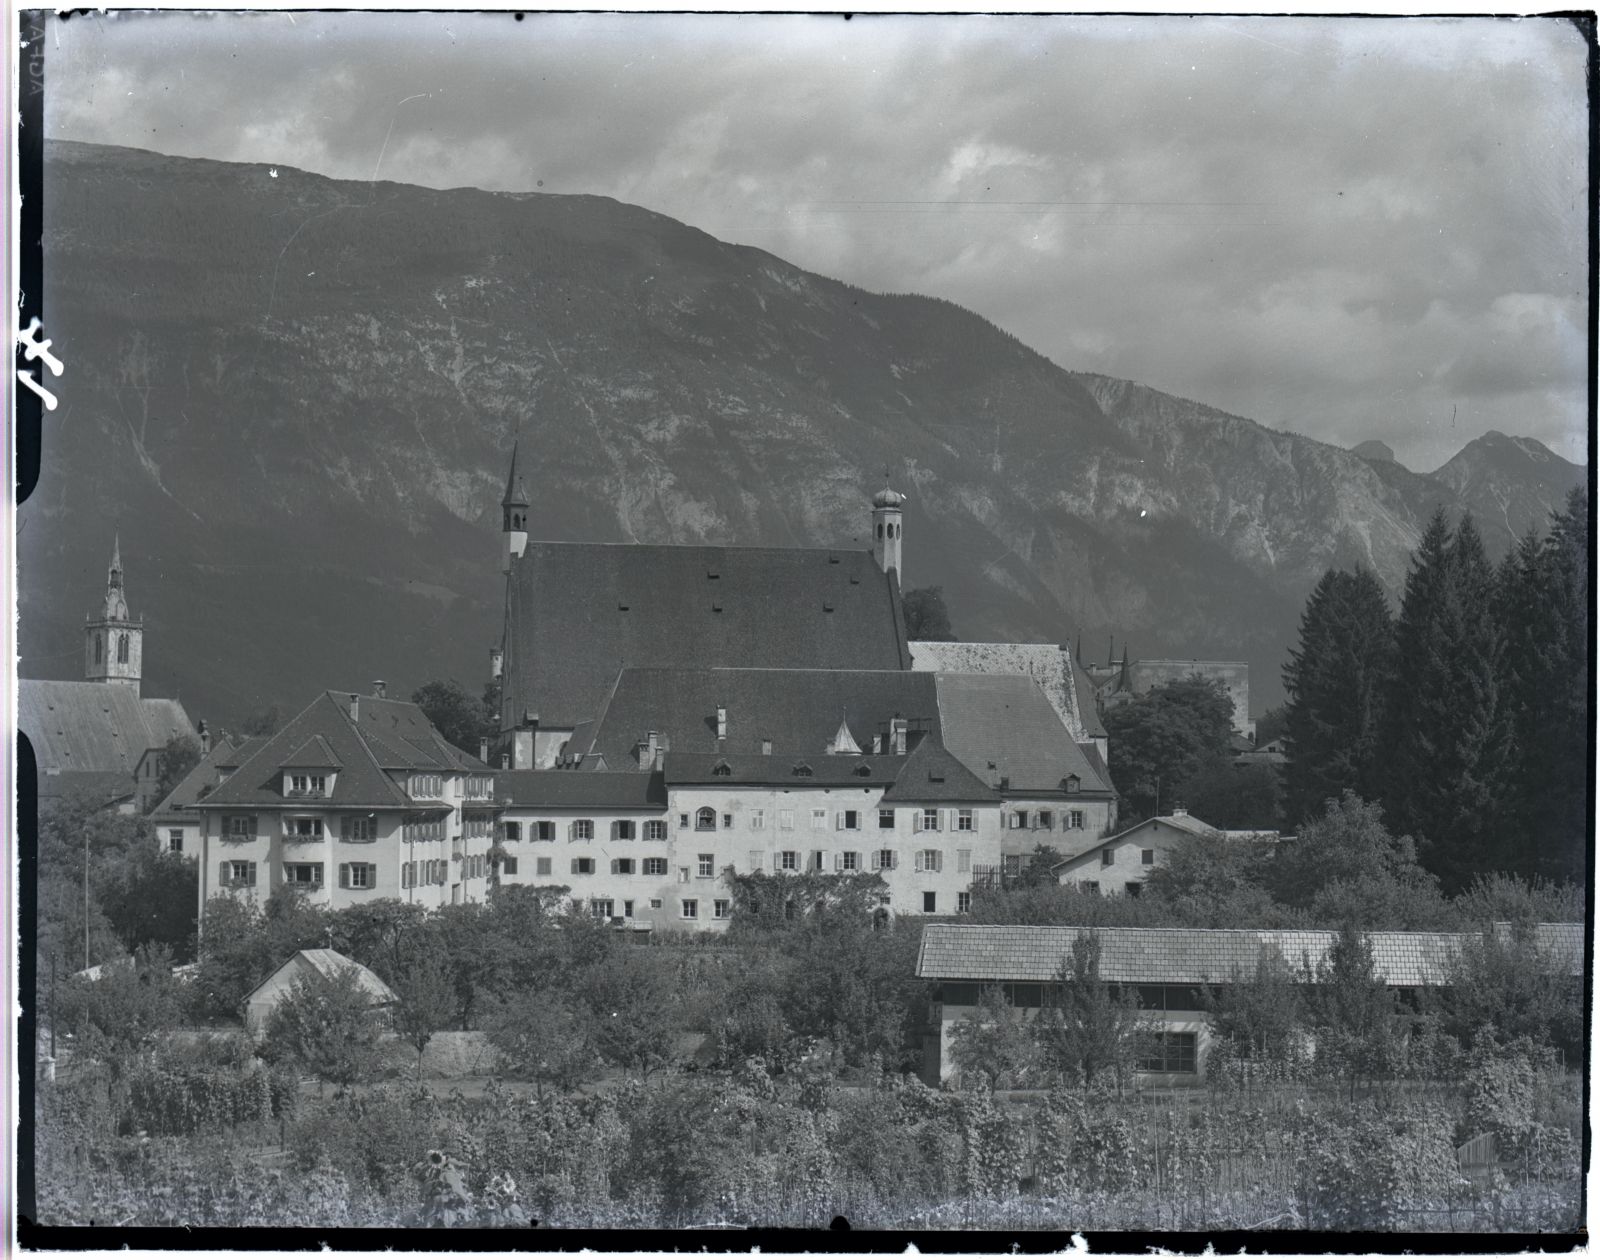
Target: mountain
{"points": [[1510, 481], [295, 397], [1380, 452]]}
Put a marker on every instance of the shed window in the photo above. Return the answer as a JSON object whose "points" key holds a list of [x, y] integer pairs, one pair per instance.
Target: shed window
{"points": [[1168, 1052]]}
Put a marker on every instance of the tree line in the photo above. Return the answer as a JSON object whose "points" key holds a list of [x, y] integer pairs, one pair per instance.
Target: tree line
{"points": [[1466, 716]]}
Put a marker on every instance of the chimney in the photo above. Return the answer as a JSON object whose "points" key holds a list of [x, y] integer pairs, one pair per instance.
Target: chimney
{"points": [[652, 743], [379, 689], [1178, 811], [766, 748], [497, 660], [661, 753], [355, 707], [205, 738], [897, 736], [483, 750], [530, 718], [722, 723], [505, 761]]}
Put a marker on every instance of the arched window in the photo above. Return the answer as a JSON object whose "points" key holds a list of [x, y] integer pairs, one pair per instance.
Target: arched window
{"points": [[880, 529], [99, 649], [122, 649], [705, 819]]}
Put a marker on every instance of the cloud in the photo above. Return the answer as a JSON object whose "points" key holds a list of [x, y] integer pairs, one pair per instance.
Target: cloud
{"points": [[1348, 227]]}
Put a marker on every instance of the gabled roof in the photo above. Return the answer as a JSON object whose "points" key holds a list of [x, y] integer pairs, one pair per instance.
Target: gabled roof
{"points": [[199, 782], [1199, 955], [314, 754], [932, 774], [797, 709], [1002, 727], [329, 963], [581, 789], [94, 726], [384, 735], [1048, 664], [576, 613], [1173, 825]]}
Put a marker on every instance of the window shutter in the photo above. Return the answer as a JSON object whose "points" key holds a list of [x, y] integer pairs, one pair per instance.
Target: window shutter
{"points": [[250, 874], [222, 878], [938, 819], [613, 866], [344, 874], [777, 861], [938, 861], [916, 820], [838, 861], [918, 865]]}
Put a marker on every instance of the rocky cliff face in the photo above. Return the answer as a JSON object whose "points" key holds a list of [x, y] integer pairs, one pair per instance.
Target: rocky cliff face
{"points": [[295, 397]]}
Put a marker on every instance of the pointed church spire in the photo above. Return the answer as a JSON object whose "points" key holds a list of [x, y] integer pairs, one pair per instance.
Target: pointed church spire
{"points": [[514, 510], [516, 490], [116, 606], [843, 741]]}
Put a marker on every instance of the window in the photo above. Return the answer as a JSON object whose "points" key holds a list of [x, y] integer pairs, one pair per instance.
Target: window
{"points": [[627, 909], [655, 903], [427, 786], [818, 860], [239, 826], [707, 865], [689, 908], [930, 902], [583, 829], [819, 820], [1133, 887], [600, 907], [788, 860], [357, 875], [1017, 820], [655, 866], [758, 819], [886, 820], [544, 830], [1167, 1052], [1108, 857], [655, 829], [541, 866], [930, 820], [802, 771], [849, 861], [1075, 819], [683, 820], [308, 873], [1091, 886], [302, 828], [963, 861], [622, 866], [705, 819], [883, 860], [625, 828], [408, 874], [848, 820], [1045, 820], [786, 820], [683, 874], [930, 860], [722, 769], [358, 828], [963, 903], [964, 820], [175, 840], [719, 908], [755, 861], [122, 649], [1073, 783], [508, 865], [583, 866], [238, 874], [1147, 857], [99, 649], [511, 831]]}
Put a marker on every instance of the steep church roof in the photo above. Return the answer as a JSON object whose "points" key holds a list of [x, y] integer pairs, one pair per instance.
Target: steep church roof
{"points": [[1002, 727], [1049, 665], [94, 726], [576, 613]]}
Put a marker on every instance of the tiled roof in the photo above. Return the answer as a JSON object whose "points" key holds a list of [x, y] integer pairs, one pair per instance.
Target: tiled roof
{"points": [[1195, 955], [1048, 664], [94, 726], [1088, 706], [1001, 726], [798, 710], [1097, 763], [199, 782], [96, 788], [932, 773], [581, 789], [385, 735], [779, 770], [314, 754], [329, 963], [576, 613]]}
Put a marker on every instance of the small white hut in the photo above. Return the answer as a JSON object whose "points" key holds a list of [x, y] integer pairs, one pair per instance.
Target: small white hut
{"points": [[264, 998]]}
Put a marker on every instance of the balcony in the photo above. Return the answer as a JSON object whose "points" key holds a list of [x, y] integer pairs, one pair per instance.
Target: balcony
{"points": [[988, 876], [304, 837]]}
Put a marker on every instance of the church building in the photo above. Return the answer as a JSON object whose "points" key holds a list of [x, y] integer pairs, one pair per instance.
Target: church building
{"points": [[99, 739]]}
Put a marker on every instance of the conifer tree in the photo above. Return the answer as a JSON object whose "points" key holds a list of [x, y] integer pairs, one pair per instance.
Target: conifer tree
{"points": [[1448, 740], [1337, 681]]}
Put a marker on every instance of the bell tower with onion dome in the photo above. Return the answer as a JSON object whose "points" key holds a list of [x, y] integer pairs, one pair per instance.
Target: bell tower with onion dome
{"points": [[886, 525]]}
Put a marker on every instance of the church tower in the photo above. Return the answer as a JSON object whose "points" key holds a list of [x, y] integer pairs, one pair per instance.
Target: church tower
{"points": [[113, 647], [886, 527], [514, 512]]}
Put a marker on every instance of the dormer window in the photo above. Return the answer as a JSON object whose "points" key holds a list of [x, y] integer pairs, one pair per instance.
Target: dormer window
{"points": [[304, 783], [863, 770], [722, 769], [1071, 783], [802, 771], [427, 786]]}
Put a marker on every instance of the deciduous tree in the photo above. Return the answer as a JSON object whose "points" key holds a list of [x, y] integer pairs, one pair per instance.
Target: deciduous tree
{"points": [[1086, 1029], [1162, 739], [329, 1026], [926, 616]]}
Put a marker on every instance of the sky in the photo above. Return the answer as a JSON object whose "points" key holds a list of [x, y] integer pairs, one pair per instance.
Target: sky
{"points": [[1351, 228]]}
